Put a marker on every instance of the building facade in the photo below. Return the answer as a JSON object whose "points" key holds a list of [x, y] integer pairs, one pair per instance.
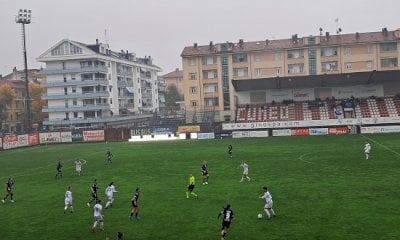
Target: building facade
{"points": [[209, 71], [174, 78], [91, 85]]}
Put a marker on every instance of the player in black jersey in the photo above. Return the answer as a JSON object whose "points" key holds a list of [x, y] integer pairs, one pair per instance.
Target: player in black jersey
{"points": [[59, 169], [135, 204], [230, 150], [93, 189], [9, 190], [227, 216], [204, 172], [109, 156]]}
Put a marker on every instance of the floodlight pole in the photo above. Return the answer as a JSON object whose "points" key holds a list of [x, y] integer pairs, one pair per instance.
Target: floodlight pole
{"points": [[24, 17]]}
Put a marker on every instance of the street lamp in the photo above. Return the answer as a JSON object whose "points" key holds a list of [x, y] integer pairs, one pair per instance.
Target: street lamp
{"points": [[24, 17]]}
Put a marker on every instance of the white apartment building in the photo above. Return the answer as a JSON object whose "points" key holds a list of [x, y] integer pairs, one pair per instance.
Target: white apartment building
{"points": [[92, 86]]}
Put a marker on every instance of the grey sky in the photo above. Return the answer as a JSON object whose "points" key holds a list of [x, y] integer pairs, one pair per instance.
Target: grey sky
{"points": [[162, 28]]}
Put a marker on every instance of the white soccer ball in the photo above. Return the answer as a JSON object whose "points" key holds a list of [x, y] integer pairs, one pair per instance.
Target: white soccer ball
{"points": [[259, 216]]}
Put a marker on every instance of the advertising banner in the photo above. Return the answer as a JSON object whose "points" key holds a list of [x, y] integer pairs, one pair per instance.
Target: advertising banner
{"points": [[188, 129], [23, 140], [205, 136], [338, 131], [77, 136], [33, 139], [250, 134], [318, 131], [281, 132], [381, 129], [1, 143], [50, 137], [300, 132], [65, 137], [94, 135], [10, 142]]}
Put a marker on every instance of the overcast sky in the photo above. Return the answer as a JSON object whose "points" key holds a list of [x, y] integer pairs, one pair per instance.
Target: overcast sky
{"points": [[162, 28]]}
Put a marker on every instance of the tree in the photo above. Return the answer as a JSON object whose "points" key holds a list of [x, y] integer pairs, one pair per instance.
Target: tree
{"points": [[36, 92], [7, 95], [171, 97]]}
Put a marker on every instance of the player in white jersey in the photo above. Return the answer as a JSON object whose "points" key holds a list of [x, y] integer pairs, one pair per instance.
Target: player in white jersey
{"points": [[367, 149], [268, 203], [110, 190], [68, 200], [245, 173], [78, 167], [98, 216]]}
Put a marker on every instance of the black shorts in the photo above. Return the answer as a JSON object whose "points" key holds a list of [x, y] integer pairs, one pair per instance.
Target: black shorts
{"points": [[205, 174], [191, 187], [58, 170], [226, 224], [134, 205], [94, 195]]}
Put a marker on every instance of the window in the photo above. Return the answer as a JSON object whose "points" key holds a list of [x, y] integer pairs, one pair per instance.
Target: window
{"points": [[210, 74], [277, 56], [192, 61], [74, 89], [239, 57], [109, 64], [72, 76], [258, 72], [277, 71], [65, 91], [369, 49], [110, 100], [388, 47], [192, 76], [66, 116], [65, 78], [210, 102], [329, 66], [240, 72], [75, 115], [210, 88], [193, 103], [258, 57], [295, 54], [348, 65], [193, 90], [369, 64], [389, 62], [295, 68], [209, 60], [74, 102], [328, 52], [347, 51]]}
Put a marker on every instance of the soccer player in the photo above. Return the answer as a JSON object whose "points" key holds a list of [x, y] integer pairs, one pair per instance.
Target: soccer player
{"points": [[135, 204], [204, 172], [120, 236], [68, 200], [230, 150], [9, 190], [227, 216], [78, 167], [110, 190], [93, 190], [367, 149], [268, 203], [191, 186], [109, 156], [59, 169], [245, 173], [98, 216]]}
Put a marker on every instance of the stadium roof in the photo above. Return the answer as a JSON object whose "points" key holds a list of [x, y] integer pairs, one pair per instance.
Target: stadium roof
{"points": [[312, 81]]}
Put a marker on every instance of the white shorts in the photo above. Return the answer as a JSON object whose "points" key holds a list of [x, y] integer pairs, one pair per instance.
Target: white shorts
{"points": [[78, 169], [268, 205], [68, 202], [245, 172], [366, 151], [110, 197], [98, 218]]}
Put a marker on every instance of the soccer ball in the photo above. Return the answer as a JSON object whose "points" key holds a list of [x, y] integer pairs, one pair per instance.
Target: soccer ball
{"points": [[259, 216]]}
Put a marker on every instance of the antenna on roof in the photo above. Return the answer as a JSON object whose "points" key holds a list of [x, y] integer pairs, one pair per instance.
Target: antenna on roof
{"points": [[105, 37], [320, 31]]}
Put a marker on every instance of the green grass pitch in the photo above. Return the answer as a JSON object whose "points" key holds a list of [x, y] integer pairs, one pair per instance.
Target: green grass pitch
{"points": [[322, 188]]}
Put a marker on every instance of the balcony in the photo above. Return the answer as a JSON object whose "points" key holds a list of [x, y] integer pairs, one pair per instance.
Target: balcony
{"points": [[76, 95], [87, 69], [91, 107], [72, 121], [86, 82]]}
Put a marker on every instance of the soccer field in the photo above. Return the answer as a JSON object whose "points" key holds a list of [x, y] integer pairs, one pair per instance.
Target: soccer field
{"points": [[322, 188]]}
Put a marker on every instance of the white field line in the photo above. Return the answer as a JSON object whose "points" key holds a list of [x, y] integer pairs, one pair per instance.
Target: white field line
{"points": [[382, 145]]}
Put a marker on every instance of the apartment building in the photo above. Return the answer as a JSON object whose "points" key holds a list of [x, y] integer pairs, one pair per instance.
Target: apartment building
{"points": [[210, 70], [174, 78], [92, 86]]}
